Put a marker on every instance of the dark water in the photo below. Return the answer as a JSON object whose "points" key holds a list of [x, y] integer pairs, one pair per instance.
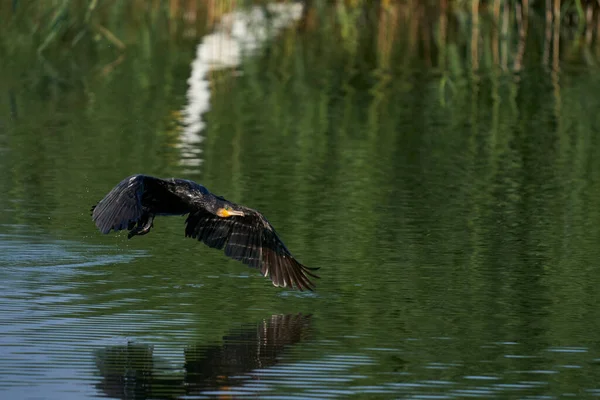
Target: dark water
{"points": [[457, 229]]}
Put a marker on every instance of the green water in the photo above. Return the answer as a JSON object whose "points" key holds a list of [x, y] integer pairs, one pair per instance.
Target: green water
{"points": [[457, 228]]}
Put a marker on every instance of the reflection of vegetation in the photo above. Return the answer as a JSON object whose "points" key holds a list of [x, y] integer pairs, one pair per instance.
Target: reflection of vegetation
{"points": [[410, 196], [442, 193]]}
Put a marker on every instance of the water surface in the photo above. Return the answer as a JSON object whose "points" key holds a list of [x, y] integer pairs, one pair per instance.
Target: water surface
{"points": [[457, 234]]}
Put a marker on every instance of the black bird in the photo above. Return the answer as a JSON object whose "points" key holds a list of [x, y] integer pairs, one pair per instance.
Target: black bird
{"points": [[244, 233]]}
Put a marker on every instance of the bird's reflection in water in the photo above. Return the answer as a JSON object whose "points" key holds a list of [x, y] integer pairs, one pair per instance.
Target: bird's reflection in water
{"points": [[130, 371]]}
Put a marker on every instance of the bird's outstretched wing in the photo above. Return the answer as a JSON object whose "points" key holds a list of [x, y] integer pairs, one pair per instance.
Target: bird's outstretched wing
{"points": [[252, 240], [249, 238], [132, 200]]}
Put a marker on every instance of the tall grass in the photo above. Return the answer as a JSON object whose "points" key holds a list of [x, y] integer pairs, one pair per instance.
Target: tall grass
{"points": [[494, 32]]}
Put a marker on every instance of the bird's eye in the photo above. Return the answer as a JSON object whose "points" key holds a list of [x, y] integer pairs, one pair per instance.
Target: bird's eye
{"points": [[227, 207]]}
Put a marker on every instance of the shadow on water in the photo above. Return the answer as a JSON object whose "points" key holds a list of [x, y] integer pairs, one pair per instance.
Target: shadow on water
{"points": [[233, 368]]}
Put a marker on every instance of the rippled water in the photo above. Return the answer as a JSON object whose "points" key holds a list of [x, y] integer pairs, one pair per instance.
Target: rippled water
{"points": [[457, 237]]}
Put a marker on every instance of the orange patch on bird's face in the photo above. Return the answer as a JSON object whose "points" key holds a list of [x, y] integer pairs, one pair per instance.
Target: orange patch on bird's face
{"points": [[228, 212]]}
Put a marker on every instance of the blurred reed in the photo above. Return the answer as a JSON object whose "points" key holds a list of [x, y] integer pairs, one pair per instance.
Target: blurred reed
{"points": [[487, 33]]}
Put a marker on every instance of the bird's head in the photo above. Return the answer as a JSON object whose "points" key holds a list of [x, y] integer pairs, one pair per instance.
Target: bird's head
{"points": [[227, 211]]}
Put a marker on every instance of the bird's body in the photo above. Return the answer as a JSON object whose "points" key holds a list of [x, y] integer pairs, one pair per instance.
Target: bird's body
{"points": [[244, 233]]}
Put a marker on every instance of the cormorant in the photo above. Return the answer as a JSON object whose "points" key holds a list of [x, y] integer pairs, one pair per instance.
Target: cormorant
{"points": [[244, 233]]}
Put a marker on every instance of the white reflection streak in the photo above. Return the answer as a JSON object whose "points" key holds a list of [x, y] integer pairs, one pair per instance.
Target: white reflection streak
{"points": [[238, 34]]}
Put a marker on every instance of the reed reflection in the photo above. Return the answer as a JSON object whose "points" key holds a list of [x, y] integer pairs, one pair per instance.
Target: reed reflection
{"points": [[132, 371]]}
